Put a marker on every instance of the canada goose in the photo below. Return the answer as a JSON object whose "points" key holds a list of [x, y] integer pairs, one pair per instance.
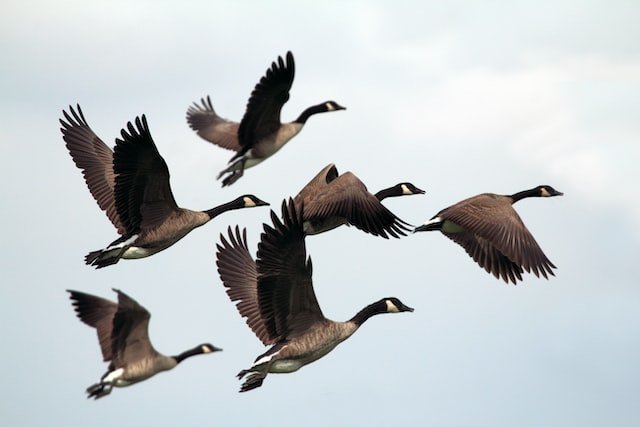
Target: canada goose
{"points": [[331, 199], [123, 333], [260, 134], [132, 186], [275, 294], [493, 234]]}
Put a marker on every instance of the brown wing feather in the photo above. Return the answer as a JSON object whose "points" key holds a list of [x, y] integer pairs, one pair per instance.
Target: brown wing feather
{"points": [[287, 301], [98, 313], [95, 159], [262, 116], [487, 256], [130, 334], [493, 218], [142, 179], [239, 276], [347, 197], [203, 119]]}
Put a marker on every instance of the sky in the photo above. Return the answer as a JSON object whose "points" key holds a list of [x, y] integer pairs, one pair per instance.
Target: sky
{"points": [[457, 97]]}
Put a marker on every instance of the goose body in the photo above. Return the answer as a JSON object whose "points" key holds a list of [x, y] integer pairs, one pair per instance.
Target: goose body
{"points": [[331, 199], [122, 330], [260, 133], [131, 184], [275, 294], [494, 235]]}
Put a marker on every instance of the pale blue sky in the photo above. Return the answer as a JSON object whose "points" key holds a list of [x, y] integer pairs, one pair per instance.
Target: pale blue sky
{"points": [[457, 97]]}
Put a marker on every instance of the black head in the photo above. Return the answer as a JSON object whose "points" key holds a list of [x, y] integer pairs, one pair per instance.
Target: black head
{"points": [[333, 106], [394, 305], [548, 191], [251, 201]]}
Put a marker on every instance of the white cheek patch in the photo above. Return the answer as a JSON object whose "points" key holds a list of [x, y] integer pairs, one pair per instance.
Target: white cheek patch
{"points": [[330, 106], [405, 190], [206, 349], [248, 203], [391, 307], [544, 192]]}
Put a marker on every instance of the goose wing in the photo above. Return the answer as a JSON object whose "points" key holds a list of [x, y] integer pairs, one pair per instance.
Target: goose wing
{"points": [[487, 256], [130, 336], [95, 159], [98, 313], [347, 197], [143, 194], [239, 276], [262, 116], [203, 119], [288, 304], [495, 223]]}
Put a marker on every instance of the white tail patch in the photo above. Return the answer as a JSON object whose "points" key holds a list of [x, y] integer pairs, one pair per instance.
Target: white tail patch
{"points": [[127, 242], [113, 376], [433, 221]]}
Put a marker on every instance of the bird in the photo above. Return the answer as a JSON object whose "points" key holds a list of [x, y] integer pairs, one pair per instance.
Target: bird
{"points": [[123, 333], [131, 184], [494, 235], [260, 134], [275, 294], [331, 200]]}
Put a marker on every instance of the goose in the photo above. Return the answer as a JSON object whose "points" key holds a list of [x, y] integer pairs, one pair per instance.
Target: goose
{"points": [[260, 134], [331, 199], [131, 184], [275, 294], [493, 234], [123, 333]]}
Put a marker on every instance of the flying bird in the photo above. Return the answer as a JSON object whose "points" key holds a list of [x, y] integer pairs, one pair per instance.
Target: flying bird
{"points": [[131, 184], [275, 294], [331, 200], [123, 333], [260, 134], [493, 234]]}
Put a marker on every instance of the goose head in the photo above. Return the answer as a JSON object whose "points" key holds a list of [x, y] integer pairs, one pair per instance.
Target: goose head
{"points": [[548, 191], [250, 201], [333, 106], [394, 305]]}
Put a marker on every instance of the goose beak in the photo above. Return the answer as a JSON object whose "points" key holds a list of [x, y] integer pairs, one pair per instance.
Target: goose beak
{"points": [[406, 308]]}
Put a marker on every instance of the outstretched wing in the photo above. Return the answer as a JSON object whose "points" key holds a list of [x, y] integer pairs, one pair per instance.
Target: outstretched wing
{"points": [[95, 159], [288, 304], [98, 313], [262, 116], [208, 125], [130, 335], [143, 195], [239, 275]]}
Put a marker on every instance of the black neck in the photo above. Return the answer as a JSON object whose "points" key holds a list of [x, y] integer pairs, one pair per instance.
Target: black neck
{"points": [[214, 212], [302, 118], [387, 192], [185, 354], [370, 310], [534, 192]]}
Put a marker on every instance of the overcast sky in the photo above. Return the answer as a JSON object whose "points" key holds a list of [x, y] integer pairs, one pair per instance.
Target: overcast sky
{"points": [[457, 97]]}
